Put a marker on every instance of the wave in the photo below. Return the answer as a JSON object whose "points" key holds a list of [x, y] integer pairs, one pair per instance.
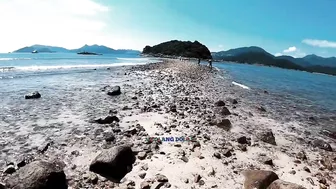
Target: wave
{"points": [[134, 59], [6, 59], [240, 85], [57, 67]]}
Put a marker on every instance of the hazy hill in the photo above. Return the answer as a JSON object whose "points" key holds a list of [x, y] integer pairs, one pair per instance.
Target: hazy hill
{"points": [[41, 48], [179, 48]]}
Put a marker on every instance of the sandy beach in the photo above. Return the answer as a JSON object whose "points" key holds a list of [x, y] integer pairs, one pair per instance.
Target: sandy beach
{"points": [[230, 134]]}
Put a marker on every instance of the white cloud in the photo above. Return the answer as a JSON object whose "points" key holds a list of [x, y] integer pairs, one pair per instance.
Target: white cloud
{"points": [[220, 46], [319, 43], [69, 23], [290, 49]]}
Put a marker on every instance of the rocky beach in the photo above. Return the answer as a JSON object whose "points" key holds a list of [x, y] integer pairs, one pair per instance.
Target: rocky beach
{"points": [[121, 131]]}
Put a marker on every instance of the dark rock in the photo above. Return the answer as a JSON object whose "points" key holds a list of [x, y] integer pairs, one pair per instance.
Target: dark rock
{"points": [[33, 95], [258, 179], [107, 120], [21, 162], [113, 112], [280, 184], [227, 152], [161, 178], [142, 175], [234, 101], [142, 155], [242, 140], [268, 161], [144, 167], [44, 148], [172, 108], [293, 172], [114, 91], [267, 136], [134, 98], [301, 156], [167, 185], [109, 137], [114, 163], [217, 155], [185, 159], [201, 182], [10, 169], [2, 186], [38, 175], [225, 111], [197, 178], [317, 143], [242, 147], [220, 103], [145, 185], [91, 178], [224, 124], [306, 169], [157, 185], [262, 109]]}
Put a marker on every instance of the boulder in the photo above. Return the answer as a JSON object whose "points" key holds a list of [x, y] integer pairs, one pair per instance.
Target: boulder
{"points": [[220, 103], [161, 178], [267, 136], [329, 133], [114, 163], [262, 109], [317, 143], [258, 179], [113, 91], [107, 120], [301, 156], [224, 124], [225, 111], [242, 140], [33, 95], [38, 175], [10, 169], [280, 184]]}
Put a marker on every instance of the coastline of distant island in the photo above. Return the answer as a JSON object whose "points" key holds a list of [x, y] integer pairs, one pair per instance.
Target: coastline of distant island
{"points": [[245, 55]]}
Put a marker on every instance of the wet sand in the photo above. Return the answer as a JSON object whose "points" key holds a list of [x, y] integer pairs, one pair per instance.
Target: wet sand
{"points": [[170, 99]]}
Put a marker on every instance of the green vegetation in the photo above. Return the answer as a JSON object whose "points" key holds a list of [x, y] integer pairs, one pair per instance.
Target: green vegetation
{"points": [[251, 56], [179, 48]]}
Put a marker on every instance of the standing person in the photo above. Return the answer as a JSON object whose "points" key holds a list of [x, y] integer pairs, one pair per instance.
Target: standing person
{"points": [[199, 61], [210, 63]]}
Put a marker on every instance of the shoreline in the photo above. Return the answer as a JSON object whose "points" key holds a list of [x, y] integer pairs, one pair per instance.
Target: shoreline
{"points": [[193, 92]]}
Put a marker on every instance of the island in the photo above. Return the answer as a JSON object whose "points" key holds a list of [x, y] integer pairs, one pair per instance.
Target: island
{"points": [[88, 53], [177, 48]]}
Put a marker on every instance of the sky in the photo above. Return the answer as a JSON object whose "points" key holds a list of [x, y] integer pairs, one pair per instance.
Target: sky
{"points": [[286, 27]]}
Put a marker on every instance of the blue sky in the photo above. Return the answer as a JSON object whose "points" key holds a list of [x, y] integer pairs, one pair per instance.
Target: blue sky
{"points": [[293, 27]]}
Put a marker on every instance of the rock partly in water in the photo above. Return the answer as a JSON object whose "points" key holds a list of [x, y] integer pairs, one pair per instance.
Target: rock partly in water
{"points": [[33, 95], [10, 169], [107, 120], [114, 163], [267, 136], [322, 145], [38, 175], [258, 179], [280, 184], [113, 91]]}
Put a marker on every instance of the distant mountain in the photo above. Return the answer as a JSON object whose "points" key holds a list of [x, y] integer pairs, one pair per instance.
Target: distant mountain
{"points": [[320, 61], [95, 49], [179, 48], [238, 51], [99, 49], [256, 55], [41, 48]]}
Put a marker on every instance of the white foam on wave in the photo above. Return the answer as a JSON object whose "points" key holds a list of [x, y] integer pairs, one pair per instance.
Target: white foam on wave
{"points": [[240, 85], [57, 67], [4, 59], [134, 59]]}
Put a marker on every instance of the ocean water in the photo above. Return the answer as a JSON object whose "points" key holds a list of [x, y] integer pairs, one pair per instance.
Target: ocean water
{"points": [[290, 92]]}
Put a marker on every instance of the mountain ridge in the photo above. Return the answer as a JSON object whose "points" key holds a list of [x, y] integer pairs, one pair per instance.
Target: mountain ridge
{"points": [[101, 49]]}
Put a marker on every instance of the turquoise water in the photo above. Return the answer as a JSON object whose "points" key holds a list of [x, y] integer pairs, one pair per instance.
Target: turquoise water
{"points": [[317, 89]]}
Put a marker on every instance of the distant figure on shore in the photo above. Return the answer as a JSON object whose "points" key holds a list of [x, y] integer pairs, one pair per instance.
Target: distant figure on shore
{"points": [[210, 63], [199, 61]]}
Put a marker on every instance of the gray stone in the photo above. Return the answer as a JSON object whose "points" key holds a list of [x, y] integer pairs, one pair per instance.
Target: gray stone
{"points": [[38, 175], [142, 175], [142, 155], [225, 111], [224, 124], [161, 178], [280, 184], [10, 169], [258, 179], [157, 185], [197, 178], [33, 95], [107, 120], [145, 185], [322, 145], [220, 103], [114, 91], [267, 136], [114, 163]]}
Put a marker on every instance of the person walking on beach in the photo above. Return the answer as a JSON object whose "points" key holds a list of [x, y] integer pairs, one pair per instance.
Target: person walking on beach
{"points": [[210, 63], [199, 61]]}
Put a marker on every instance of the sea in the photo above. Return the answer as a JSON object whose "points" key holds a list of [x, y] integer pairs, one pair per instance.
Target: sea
{"points": [[289, 91]]}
